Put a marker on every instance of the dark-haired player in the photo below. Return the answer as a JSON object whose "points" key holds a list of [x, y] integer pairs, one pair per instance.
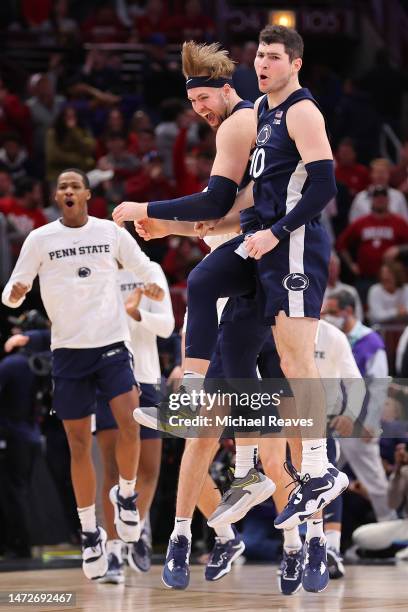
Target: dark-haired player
{"points": [[76, 258]]}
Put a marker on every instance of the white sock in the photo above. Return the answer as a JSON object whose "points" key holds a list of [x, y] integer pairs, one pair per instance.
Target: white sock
{"points": [[115, 547], [291, 539], [333, 539], [314, 457], [182, 527], [87, 516], [245, 459], [192, 381], [224, 533], [314, 529], [126, 487]]}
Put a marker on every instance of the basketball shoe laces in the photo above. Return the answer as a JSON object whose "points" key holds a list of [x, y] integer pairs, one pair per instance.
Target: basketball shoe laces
{"points": [[315, 554], [292, 565], [127, 503], [91, 539], [299, 481], [179, 550]]}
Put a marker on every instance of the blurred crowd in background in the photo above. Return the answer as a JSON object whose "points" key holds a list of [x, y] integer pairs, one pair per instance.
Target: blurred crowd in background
{"points": [[130, 127]]}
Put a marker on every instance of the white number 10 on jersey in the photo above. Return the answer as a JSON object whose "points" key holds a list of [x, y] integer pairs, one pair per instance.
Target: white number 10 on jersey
{"points": [[257, 163]]}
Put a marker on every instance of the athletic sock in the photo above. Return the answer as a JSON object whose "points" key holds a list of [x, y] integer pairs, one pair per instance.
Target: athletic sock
{"points": [[333, 539], [87, 517], [314, 529], [115, 547], [224, 533], [126, 487], [314, 457], [182, 527], [245, 459], [291, 539]]}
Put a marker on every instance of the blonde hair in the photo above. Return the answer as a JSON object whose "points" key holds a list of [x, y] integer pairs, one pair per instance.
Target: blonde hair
{"points": [[206, 60]]}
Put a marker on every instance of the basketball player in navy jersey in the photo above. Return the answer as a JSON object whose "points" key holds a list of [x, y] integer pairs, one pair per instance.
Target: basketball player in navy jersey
{"points": [[293, 176]]}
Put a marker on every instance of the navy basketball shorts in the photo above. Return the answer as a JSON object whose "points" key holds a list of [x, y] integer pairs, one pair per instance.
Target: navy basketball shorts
{"points": [[294, 274], [104, 418], [234, 361], [223, 273], [79, 374]]}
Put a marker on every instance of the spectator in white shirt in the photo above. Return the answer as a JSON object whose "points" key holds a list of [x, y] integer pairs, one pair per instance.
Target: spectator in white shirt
{"points": [[388, 299], [380, 175]]}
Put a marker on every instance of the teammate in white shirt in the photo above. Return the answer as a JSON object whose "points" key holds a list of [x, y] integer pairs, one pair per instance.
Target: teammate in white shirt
{"points": [[147, 319], [76, 259]]}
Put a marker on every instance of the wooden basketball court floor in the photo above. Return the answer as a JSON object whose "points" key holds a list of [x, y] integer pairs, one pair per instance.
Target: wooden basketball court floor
{"points": [[247, 587]]}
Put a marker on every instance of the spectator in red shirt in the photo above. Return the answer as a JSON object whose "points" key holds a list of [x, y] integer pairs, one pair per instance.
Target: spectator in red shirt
{"points": [[355, 176], [150, 183], [364, 243], [14, 115], [190, 171], [184, 253], [140, 122], [23, 211]]}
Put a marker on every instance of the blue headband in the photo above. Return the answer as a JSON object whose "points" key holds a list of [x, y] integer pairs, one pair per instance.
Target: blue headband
{"points": [[207, 81]]}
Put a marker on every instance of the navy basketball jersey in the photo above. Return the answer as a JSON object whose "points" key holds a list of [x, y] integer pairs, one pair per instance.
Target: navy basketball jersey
{"points": [[277, 169], [248, 218]]}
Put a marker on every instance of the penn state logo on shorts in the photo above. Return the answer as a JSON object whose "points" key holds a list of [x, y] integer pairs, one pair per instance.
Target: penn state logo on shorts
{"points": [[264, 135], [84, 272], [296, 281]]}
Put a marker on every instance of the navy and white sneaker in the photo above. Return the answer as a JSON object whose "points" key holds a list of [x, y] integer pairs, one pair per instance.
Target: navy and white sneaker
{"points": [[94, 557], [290, 575], [315, 577], [222, 556], [115, 573], [310, 495], [335, 564], [176, 571], [140, 553], [127, 520]]}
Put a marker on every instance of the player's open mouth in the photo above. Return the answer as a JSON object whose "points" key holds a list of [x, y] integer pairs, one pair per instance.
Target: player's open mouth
{"points": [[210, 117], [262, 77], [69, 202]]}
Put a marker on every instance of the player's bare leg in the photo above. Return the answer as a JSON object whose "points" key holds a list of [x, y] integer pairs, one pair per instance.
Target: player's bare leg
{"points": [[123, 496]]}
